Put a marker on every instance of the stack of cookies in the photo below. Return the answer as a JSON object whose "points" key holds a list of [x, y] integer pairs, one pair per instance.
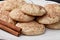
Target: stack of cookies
{"points": [[32, 18]]}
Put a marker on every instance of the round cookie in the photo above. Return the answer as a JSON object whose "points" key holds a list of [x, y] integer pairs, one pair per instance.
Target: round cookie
{"points": [[33, 10], [8, 6], [1, 4], [4, 15], [54, 26], [18, 15], [47, 19], [17, 2], [31, 28], [14, 0], [52, 16], [53, 9]]}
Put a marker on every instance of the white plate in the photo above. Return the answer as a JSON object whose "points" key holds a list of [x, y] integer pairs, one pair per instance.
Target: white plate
{"points": [[49, 35]]}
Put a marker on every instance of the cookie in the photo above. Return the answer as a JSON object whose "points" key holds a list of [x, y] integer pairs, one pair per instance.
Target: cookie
{"points": [[33, 10], [18, 15], [17, 2], [4, 15], [8, 6], [1, 4], [47, 19], [52, 16], [14, 0], [31, 28], [54, 26], [53, 9]]}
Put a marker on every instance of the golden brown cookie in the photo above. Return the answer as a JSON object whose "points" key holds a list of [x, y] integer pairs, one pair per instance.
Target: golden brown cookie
{"points": [[33, 10], [18, 15], [16, 2], [53, 9], [47, 19], [52, 16], [1, 4], [4, 15], [8, 6], [54, 26], [31, 28]]}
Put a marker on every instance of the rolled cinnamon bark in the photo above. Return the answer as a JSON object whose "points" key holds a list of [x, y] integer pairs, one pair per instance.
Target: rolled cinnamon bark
{"points": [[9, 30], [10, 26]]}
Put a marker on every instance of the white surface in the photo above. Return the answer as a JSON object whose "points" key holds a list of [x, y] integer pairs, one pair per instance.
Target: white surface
{"points": [[49, 34]]}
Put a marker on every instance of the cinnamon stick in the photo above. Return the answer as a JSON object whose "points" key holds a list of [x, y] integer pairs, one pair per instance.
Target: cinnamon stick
{"points": [[9, 30], [10, 26]]}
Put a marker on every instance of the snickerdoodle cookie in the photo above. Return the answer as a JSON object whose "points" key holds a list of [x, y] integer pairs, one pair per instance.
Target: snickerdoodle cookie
{"points": [[31, 28], [18, 15], [52, 16]]}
